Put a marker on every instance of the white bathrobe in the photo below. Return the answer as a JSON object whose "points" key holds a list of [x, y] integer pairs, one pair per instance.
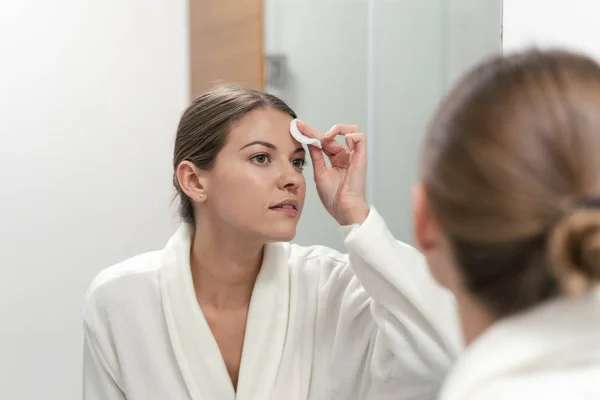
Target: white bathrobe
{"points": [[372, 324], [549, 353]]}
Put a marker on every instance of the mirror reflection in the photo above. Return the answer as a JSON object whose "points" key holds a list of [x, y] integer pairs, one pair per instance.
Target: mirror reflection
{"points": [[166, 235]]}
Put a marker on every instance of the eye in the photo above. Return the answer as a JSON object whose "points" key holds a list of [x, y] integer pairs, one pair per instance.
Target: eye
{"points": [[260, 158], [299, 163]]}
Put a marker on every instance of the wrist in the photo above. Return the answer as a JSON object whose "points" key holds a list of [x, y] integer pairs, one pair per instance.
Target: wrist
{"points": [[356, 215]]}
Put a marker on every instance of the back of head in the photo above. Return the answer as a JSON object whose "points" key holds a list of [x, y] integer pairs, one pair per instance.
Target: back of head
{"points": [[205, 124], [511, 168]]}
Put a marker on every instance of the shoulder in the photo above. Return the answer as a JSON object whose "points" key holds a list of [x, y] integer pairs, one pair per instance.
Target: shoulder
{"points": [[524, 387], [543, 379], [324, 264], [321, 256], [122, 284]]}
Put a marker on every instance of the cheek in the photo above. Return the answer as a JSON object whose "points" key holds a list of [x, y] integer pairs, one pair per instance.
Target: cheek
{"points": [[435, 264], [240, 191], [443, 268], [302, 190]]}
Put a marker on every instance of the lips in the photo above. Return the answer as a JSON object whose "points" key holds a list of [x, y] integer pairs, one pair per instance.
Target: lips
{"points": [[285, 207], [289, 207]]}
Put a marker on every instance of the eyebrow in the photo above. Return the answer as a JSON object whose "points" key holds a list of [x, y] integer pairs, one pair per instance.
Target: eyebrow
{"points": [[270, 146]]}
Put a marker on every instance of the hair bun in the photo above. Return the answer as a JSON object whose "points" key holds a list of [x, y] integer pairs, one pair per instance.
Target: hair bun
{"points": [[575, 248]]}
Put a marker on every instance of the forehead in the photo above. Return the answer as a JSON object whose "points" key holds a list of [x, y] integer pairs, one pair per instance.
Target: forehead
{"points": [[264, 124]]}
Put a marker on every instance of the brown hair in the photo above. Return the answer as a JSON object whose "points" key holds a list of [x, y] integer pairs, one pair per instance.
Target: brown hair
{"points": [[204, 127], [510, 159]]}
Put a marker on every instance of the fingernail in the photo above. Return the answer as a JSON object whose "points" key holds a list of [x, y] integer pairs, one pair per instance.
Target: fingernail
{"points": [[326, 134]]}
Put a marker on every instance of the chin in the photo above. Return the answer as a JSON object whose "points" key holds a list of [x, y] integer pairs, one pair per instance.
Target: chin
{"points": [[282, 237], [280, 234]]}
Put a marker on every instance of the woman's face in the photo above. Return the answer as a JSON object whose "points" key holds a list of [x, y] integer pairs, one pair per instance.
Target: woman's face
{"points": [[257, 186]]}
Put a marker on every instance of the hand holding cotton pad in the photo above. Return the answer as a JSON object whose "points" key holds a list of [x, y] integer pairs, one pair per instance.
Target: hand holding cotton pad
{"points": [[296, 134]]}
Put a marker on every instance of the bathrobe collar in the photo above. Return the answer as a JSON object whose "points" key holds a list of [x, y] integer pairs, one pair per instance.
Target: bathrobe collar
{"points": [[559, 334], [196, 349]]}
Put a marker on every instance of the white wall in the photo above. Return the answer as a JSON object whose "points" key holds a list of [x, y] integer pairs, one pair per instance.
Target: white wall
{"points": [[90, 95], [566, 23]]}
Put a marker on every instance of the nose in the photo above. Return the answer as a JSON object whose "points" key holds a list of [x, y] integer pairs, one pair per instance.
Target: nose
{"points": [[290, 178]]}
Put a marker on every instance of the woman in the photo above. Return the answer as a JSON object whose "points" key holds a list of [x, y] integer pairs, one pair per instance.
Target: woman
{"points": [[230, 310], [508, 217]]}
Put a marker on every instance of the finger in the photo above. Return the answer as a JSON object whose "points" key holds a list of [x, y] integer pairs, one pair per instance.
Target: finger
{"points": [[349, 142], [309, 131], [357, 144], [330, 145], [318, 161], [331, 148], [341, 129]]}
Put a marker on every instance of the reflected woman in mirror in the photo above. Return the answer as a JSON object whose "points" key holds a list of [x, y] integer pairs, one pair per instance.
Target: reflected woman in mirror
{"points": [[508, 216], [229, 309]]}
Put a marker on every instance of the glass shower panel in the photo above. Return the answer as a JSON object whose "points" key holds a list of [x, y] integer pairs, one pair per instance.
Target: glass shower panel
{"points": [[424, 47], [410, 82]]}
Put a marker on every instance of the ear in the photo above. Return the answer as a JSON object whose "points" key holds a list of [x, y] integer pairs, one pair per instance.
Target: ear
{"points": [[192, 180], [426, 229]]}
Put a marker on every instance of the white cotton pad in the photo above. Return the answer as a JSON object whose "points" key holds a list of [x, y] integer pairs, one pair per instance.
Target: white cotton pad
{"points": [[296, 134]]}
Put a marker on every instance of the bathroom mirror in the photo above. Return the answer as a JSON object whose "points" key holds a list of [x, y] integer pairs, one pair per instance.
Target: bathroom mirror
{"points": [[93, 92]]}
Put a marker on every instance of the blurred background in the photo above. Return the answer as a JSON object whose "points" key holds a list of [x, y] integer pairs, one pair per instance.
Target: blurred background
{"points": [[90, 97]]}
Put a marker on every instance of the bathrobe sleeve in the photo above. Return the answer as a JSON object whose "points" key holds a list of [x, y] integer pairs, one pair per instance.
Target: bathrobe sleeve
{"points": [[101, 375], [98, 380], [392, 308]]}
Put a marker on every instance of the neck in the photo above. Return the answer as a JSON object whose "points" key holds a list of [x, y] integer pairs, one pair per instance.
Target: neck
{"points": [[224, 268], [474, 318]]}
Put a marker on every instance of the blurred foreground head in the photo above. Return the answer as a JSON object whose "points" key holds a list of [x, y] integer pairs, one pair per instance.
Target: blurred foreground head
{"points": [[508, 209]]}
